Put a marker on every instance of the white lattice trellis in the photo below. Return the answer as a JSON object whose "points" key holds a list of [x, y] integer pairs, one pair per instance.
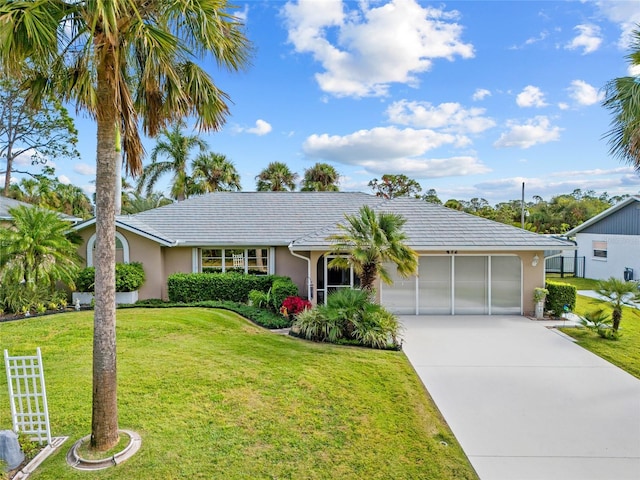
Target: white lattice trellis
{"points": [[28, 395]]}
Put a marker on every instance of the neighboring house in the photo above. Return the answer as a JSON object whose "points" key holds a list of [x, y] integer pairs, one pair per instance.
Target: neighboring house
{"points": [[468, 265], [7, 203], [610, 241]]}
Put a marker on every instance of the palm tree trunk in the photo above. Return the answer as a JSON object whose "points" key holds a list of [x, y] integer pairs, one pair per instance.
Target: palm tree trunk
{"points": [[616, 316], [104, 422]]}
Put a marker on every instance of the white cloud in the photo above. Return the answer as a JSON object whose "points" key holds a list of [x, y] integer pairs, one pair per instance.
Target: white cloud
{"points": [[84, 169], [373, 46], [589, 38], [261, 128], [392, 150], [64, 179], [584, 94], [243, 15], [480, 94], [535, 131], [633, 70], [563, 106], [89, 189], [531, 97], [450, 117], [623, 12]]}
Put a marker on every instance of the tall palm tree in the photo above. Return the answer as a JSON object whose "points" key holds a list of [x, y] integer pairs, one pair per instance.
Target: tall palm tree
{"points": [[212, 172], [36, 250], [622, 99], [175, 147], [370, 240], [136, 203], [618, 293], [322, 177], [277, 177], [121, 61]]}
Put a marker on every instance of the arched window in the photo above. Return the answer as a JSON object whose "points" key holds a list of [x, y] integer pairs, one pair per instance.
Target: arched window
{"points": [[122, 249]]}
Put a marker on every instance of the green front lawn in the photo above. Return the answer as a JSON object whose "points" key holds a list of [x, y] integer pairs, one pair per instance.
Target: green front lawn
{"points": [[214, 396], [625, 352]]}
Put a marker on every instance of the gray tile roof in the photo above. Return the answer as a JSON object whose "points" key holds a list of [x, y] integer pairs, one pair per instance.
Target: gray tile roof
{"points": [[305, 219], [431, 226]]}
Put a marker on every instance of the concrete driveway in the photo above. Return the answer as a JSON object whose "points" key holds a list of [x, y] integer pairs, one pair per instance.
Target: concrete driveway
{"points": [[524, 401]]}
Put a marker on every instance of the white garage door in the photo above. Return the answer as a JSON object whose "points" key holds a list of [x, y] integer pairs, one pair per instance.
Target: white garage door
{"points": [[458, 285]]}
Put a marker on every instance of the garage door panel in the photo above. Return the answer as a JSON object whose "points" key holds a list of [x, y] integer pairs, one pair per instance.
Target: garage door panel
{"points": [[434, 286], [470, 285], [505, 285], [400, 296]]}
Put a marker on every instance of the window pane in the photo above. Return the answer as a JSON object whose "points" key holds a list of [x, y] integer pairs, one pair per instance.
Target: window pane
{"points": [[211, 260], [257, 261]]}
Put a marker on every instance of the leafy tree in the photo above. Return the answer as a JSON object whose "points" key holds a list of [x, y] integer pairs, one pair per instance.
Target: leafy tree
{"points": [[40, 131], [212, 172], [370, 240], [432, 197], [618, 293], [120, 61], [622, 99], [453, 204], [277, 177], [36, 250], [135, 203], [175, 147], [391, 186], [322, 177], [46, 191]]}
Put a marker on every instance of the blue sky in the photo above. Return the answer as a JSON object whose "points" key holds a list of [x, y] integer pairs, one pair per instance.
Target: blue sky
{"points": [[470, 98]]}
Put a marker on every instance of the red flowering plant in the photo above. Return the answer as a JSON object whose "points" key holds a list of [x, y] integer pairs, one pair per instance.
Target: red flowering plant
{"points": [[293, 306]]}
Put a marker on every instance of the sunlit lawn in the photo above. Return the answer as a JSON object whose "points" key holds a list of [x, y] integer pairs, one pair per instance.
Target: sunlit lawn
{"points": [[214, 396], [624, 352]]}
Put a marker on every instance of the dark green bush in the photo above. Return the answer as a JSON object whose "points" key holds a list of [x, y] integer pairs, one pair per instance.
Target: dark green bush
{"points": [[560, 294], [282, 288], [129, 277], [235, 287]]}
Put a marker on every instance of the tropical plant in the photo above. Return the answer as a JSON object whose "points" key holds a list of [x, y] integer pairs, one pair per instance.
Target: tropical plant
{"points": [[350, 316], [212, 172], [119, 61], [175, 147], [391, 186], [622, 99], [322, 177], [618, 293], [277, 177], [134, 202], [599, 321], [370, 240], [45, 130], [35, 250]]}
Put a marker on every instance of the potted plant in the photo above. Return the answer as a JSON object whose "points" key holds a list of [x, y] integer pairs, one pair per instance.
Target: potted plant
{"points": [[129, 278], [539, 296]]}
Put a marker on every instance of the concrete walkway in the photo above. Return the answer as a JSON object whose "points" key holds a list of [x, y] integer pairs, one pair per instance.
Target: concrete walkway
{"points": [[524, 402]]}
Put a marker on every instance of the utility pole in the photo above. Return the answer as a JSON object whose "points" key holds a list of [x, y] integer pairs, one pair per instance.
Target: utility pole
{"points": [[522, 207]]}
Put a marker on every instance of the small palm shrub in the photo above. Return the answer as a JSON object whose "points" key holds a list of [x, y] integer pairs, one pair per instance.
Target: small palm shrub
{"points": [[350, 316]]}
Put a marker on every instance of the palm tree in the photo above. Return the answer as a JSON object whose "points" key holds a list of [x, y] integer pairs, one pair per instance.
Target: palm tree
{"points": [[36, 250], [622, 99], [276, 178], [121, 61], [212, 172], [175, 147], [136, 203], [322, 177], [368, 242], [618, 293]]}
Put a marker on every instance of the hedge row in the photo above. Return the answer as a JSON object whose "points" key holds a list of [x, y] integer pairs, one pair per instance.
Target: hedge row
{"points": [[129, 277], [559, 296], [234, 287]]}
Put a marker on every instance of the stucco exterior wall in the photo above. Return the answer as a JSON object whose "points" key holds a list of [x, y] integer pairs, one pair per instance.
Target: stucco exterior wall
{"points": [[289, 266], [622, 251], [176, 260]]}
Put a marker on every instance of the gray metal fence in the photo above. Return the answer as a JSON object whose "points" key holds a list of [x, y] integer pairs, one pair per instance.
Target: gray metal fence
{"points": [[566, 266]]}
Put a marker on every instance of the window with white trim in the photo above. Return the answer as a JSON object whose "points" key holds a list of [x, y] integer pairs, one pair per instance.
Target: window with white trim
{"points": [[122, 249], [599, 250], [254, 261]]}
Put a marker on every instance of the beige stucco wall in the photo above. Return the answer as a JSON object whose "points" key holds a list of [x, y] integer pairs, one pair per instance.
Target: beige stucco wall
{"points": [[289, 266], [176, 260], [148, 252]]}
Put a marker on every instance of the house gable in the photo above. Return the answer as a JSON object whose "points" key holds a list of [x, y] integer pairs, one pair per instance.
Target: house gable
{"points": [[624, 221]]}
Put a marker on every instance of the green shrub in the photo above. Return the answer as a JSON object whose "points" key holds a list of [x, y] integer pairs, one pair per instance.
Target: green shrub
{"points": [[260, 299], [235, 287], [129, 277], [560, 294], [350, 317], [282, 288]]}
